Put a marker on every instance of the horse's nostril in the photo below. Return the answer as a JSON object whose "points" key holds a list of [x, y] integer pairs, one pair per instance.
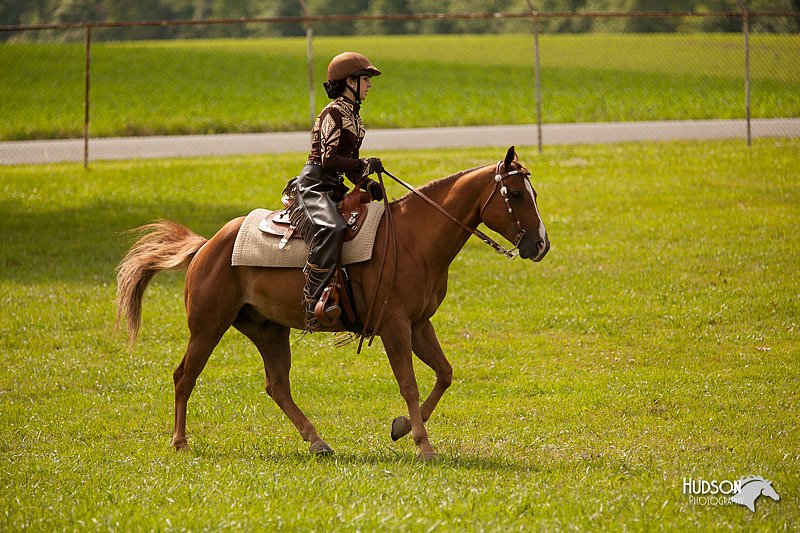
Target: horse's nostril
{"points": [[540, 245]]}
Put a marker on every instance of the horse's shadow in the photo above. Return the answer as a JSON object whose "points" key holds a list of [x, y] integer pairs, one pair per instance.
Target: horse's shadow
{"points": [[384, 457]]}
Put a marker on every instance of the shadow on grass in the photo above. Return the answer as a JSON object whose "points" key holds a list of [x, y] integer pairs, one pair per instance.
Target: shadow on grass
{"points": [[383, 457], [85, 244]]}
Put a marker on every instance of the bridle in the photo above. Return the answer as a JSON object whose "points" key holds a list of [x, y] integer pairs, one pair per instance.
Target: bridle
{"points": [[500, 186]]}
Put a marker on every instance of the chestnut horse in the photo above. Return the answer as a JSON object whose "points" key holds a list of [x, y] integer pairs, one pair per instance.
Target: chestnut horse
{"points": [[265, 303]]}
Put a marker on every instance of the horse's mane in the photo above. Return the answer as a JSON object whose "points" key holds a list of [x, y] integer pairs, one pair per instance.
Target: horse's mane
{"points": [[750, 479], [436, 183]]}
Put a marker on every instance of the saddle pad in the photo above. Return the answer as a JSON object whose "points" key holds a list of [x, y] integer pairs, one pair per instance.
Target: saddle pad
{"points": [[256, 248]]}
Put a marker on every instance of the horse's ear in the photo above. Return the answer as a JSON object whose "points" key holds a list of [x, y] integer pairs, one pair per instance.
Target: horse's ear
{"points": [[511, 156]]}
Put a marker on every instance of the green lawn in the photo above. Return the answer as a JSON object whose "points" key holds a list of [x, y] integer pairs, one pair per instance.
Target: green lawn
{"points": [[208, 86], [658, 341]]}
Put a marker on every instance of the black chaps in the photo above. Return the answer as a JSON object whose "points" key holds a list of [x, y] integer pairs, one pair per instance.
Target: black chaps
{"points": [[316, 190]]}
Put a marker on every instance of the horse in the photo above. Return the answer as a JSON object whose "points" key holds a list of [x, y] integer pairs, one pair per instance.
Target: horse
{"points": [[750, 489], [430, 226]]}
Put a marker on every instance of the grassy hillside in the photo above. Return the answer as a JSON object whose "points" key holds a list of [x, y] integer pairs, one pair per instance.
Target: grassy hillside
{"points": [[208, 86], [658, 341]]}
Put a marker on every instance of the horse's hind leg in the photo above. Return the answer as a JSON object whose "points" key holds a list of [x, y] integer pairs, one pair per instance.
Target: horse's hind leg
{"points": [[272, 341], [201, 344], [212, 304], [426, 346]]}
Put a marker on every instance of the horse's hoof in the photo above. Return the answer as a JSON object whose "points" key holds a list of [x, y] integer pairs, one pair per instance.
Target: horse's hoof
{"points": [[180, 445], [401, 426], [320, 448], [428, 455]]}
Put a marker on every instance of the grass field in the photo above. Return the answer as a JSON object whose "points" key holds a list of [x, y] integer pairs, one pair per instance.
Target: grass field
{"points": [[657, 341], [208, 86]]}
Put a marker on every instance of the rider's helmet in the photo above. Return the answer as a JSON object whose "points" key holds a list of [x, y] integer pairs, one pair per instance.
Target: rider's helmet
{"points": [[347, 65]]}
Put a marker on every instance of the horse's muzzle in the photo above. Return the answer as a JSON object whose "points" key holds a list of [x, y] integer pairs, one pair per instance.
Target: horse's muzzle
{"points": [[534, 248]]}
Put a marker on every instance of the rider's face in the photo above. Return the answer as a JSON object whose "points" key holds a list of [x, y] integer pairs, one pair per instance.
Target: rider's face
{"points": [[366, 84]]}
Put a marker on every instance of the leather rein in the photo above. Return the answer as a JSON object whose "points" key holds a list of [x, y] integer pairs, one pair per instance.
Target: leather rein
{"points": [[390, 235]]}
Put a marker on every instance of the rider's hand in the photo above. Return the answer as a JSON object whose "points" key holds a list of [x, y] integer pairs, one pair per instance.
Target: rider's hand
{"points": [[371, 166], [374, 189]]}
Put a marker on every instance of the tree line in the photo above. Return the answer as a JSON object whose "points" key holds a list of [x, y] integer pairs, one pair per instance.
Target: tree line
{"points": [[14, 12]]}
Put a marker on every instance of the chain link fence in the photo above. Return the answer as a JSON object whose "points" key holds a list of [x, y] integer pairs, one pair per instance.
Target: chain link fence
{"points": [[70, 83]]}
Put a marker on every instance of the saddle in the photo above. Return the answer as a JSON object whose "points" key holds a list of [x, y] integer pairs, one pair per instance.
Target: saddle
{"points": [[339, 292], [353, 209]]}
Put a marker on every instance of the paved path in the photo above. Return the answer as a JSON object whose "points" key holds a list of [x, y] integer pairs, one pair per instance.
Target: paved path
{"points": [[26, 152]]}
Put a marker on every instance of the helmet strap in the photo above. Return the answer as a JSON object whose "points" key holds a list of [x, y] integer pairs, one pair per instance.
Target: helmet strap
{"points": [[358, 90]]}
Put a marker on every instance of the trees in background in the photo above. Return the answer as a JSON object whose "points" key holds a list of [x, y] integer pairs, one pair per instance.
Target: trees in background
{"points": [[55, 11]]}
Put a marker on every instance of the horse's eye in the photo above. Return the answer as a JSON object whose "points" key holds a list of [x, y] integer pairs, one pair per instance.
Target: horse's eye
{"points": [[516, 195]]}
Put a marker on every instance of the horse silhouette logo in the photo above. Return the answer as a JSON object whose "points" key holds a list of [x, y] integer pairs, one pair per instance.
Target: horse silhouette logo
{"points": [[750, 488]]}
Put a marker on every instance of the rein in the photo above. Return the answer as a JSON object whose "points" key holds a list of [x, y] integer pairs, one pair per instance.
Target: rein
{"points": [[389, 234], [511, 254]]}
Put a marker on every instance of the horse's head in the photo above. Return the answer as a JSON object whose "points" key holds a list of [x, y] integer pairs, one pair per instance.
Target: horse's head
{"points": [[511, 209], [768, 490]]}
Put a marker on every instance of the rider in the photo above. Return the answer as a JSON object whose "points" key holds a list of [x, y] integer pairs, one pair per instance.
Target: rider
{"points": [[335, 143]]}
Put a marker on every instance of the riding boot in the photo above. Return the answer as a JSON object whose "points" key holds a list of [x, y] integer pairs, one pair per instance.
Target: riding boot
{"points": [[326, 235], [317, 280]]}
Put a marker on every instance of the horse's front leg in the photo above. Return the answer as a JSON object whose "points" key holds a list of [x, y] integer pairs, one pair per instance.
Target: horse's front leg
{"points": [[397, 341], [426, 346]]}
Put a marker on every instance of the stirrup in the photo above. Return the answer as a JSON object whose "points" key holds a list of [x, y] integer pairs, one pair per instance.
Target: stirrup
{"points": [[327, 310], [322, 310], [319, 316]]}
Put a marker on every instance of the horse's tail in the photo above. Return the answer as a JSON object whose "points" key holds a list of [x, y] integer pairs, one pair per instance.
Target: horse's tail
{"points": [[163, 245]]}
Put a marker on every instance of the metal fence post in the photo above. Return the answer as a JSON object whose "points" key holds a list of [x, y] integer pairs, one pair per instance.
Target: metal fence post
{"points": [[310, 59], [537, 75], [86, 86], [310, 55], [746, 31]]}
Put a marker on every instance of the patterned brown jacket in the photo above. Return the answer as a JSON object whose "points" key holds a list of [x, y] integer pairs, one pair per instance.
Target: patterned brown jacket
{"points": [[336, 140]]}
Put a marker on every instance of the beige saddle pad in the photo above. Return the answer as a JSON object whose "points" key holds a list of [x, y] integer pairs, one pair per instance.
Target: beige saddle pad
{"points": [[256, 248]]}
